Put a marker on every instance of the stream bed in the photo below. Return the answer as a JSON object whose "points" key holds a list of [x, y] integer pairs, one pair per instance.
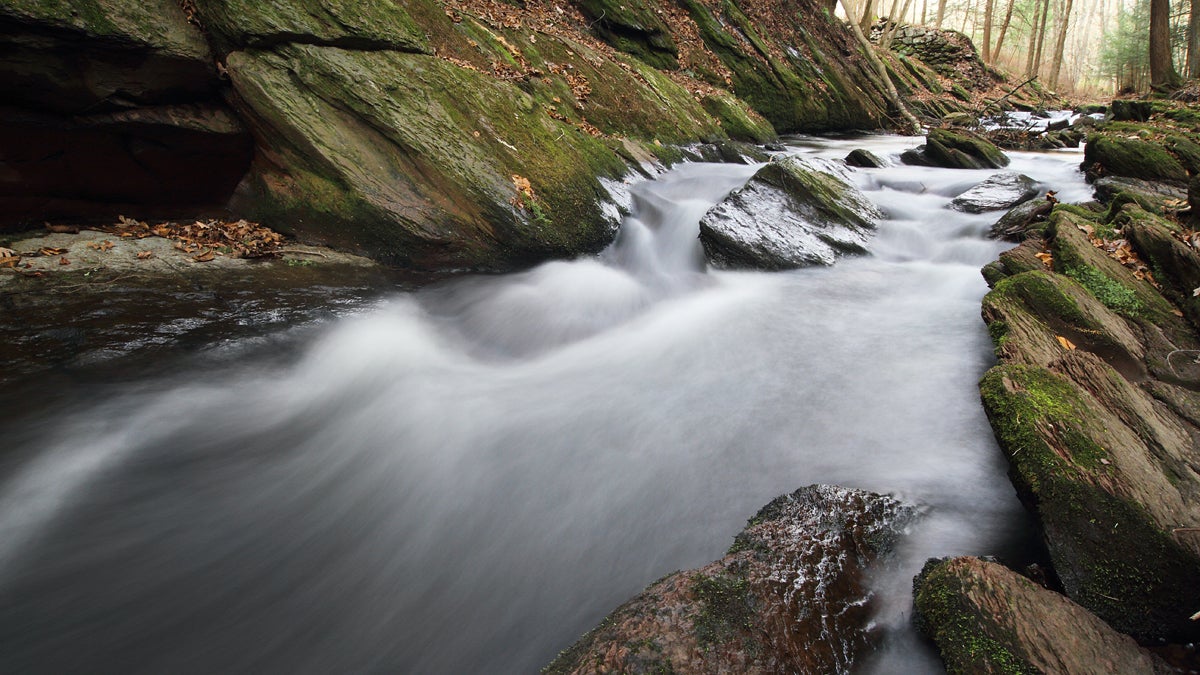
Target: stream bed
{"points": [[468, 477]]}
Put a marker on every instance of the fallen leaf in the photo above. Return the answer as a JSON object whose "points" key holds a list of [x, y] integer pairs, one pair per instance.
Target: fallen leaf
{"points": [[1066, 344], [1177, 313], [50, 251], [1196, 292], [1046, 258], [64, 261], [1105, 462], [103, 246], [143, 255], [205, 257], [9, 260]]}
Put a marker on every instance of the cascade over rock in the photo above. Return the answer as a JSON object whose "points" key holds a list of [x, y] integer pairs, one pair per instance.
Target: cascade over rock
{"points": [[790, 596]]}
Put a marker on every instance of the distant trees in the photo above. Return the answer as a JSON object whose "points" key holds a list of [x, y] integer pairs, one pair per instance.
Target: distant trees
{"points": [[1097, 45]]}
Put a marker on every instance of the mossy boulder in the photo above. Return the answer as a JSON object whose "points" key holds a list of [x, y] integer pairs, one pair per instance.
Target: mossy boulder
{"points": [[1022, 221], [792, 213], [789, 596], [985, 618], [1106, 469], [865, 159], [1110, 282], [1112, 155], [416, 161], [957, 149]]}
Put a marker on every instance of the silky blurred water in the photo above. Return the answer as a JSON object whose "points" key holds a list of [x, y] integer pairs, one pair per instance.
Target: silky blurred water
{"points": [[467, 478]]}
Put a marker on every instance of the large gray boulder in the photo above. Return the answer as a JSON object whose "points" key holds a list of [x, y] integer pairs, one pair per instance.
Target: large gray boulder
{"points": [[792, 213], [1000, 191], [791, 596]]}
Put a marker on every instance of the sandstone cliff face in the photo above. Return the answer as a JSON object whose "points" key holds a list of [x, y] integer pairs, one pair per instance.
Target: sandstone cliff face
{"points": [[433, 134]]}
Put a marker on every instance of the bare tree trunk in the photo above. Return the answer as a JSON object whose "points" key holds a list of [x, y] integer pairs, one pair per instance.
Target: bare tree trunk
{"points": [[893, 95], [1041, 37], [1029, 55], [987, 30], [868, 16], [1060, 41], [1162, 71], [1193, 40], [941, 15], [924, 12], [1003, 29]]}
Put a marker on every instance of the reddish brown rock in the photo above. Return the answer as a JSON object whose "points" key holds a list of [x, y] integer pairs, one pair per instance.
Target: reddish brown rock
{"points": [[790, 596]]}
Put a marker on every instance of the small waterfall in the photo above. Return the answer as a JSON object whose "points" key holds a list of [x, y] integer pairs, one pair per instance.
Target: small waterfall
{"points": [[466, 478]]}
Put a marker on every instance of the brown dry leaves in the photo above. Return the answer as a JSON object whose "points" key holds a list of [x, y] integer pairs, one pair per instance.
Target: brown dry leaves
{"points": [[238, 239], [1119, 250]]}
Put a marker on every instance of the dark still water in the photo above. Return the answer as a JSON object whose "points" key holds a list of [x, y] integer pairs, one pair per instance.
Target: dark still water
{"points": [[466, 478]]}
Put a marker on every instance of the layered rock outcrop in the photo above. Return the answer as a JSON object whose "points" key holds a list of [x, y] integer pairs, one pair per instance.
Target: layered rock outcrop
{"points": [[434, 134], [1094, 404]]}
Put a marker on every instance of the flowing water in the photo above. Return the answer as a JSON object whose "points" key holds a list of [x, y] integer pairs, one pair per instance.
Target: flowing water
{"points": [[464, 479]]}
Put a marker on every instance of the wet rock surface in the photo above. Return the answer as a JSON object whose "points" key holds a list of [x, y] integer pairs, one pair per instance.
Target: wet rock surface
{"points": [[790, 596], [1000, 191], [956, 149], [985, 618], [1091, 403], [792, 213]]}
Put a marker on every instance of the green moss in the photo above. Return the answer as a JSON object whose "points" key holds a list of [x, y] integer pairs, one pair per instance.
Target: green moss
{"points": [[726, 609], [1186, 150], [382, 23], [738, 122], [964, 636], [1107, 550], [1040, 291], [632, 27], [1112, 294], [1120, 156]]}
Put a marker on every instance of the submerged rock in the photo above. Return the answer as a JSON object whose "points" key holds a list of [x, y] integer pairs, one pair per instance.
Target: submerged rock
{"points": [[790, 596], [956, 149], [985, 618], [790, 214], [1000, 191]]}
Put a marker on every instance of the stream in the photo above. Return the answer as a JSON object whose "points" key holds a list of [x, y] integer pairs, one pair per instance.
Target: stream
{"points": [[466, 478]]}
